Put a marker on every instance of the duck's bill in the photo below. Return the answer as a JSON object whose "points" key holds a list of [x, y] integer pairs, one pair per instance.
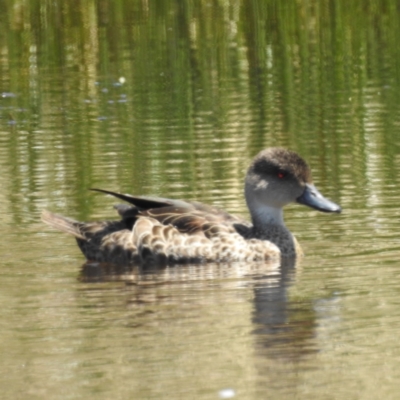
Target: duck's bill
{"points": [[311, 197]]}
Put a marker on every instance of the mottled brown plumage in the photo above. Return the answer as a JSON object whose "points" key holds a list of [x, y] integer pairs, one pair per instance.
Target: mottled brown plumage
{"points": [[166, 231]]}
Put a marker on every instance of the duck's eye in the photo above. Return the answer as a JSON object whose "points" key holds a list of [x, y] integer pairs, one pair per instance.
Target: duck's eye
{"points": [[281, 175]]}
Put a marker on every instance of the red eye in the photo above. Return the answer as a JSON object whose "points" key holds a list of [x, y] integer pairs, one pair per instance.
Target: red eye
{"points": [[281, 175]]}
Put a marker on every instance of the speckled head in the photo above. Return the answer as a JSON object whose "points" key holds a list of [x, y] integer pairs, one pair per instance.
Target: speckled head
{"points": [[281, 162]]}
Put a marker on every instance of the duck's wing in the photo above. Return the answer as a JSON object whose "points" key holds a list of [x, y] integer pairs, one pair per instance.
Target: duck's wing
{"points": [[194, 218], [187, 217], [141, 202]]}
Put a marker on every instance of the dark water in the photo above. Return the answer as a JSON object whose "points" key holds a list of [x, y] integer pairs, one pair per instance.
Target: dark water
{"points": [[174, 99]]}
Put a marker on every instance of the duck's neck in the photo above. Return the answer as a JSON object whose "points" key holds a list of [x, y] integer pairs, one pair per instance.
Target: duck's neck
{"points": [[268, 224], [264, 216]]}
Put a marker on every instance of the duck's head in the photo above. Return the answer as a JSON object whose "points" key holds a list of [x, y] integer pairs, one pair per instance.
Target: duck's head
{"points": [[277, 177]]}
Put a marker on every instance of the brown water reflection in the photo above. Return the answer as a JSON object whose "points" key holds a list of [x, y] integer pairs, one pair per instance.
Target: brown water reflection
{"points": [[283, 332]]}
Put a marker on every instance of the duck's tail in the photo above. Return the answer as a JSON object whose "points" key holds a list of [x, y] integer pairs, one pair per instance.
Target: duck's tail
{"points": [[63, 224]]}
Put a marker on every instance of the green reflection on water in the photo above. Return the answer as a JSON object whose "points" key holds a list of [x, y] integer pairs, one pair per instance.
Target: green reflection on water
{"points": [[219, 79]]}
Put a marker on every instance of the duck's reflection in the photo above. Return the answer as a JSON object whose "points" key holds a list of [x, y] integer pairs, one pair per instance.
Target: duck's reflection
{"points": [[282, 329], [102, 272], [270, 302]]}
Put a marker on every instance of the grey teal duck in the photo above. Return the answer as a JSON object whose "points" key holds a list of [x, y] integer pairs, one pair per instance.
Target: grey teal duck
{"points": [[165, 231]]}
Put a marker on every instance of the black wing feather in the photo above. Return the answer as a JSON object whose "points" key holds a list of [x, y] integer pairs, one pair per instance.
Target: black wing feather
{"points": [[142, 203]]}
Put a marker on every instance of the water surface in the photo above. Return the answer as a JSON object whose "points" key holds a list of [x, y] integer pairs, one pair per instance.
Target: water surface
{"points": [[174, 100]]}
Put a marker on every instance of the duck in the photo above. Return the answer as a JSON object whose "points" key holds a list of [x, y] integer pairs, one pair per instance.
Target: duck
{"points": [[162, 231]]}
